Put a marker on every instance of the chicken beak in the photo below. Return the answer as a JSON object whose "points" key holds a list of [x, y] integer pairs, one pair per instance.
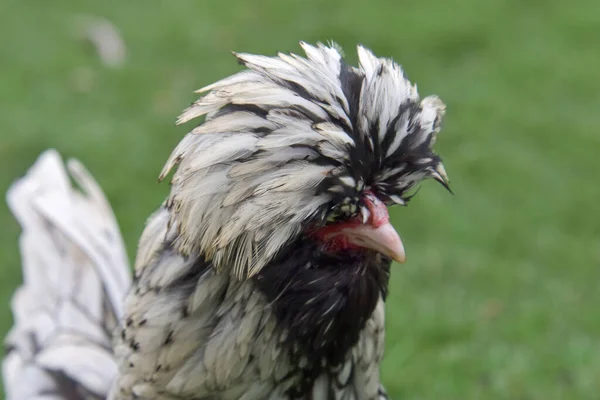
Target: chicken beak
{"points": [[383, 239]]}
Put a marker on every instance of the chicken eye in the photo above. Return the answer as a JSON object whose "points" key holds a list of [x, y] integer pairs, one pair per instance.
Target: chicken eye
{"points": [[345, 210]]}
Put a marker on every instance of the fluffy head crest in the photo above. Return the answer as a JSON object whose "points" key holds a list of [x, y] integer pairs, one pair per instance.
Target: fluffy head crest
{"points": [[289, 139]]}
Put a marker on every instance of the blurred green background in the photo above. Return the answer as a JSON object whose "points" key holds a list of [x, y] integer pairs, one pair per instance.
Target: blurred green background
{"points": [[499, 298]]}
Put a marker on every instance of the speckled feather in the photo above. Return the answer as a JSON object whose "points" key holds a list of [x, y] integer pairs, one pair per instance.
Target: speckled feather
{"points": [[192, 332], [286, 139], [234, 302]]}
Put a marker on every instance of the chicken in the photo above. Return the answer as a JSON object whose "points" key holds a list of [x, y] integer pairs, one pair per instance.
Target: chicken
{"points": [[264, 273]]}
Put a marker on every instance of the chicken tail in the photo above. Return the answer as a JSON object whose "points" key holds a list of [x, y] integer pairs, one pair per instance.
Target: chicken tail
{"points": [[76, 274]]}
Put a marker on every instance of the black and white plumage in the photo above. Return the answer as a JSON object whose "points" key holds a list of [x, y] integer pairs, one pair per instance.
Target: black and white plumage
{"points": [[264, 274]]}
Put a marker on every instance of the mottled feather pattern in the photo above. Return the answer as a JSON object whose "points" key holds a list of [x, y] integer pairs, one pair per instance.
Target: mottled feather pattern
{"points": [[257, 120], [193, 333]]}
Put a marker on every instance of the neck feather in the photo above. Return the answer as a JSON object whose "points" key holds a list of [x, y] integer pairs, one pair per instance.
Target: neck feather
{"points": [[323, 300]]}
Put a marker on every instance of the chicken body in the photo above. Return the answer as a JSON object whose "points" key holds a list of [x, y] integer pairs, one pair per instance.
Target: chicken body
{"points": [[192, 333]]}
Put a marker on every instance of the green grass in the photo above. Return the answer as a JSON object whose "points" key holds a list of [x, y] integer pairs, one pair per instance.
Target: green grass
{"points": [[499, 298]]}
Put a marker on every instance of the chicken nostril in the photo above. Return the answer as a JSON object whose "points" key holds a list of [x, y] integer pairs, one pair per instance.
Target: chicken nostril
{"points": [[377, 209], [365, 213]]}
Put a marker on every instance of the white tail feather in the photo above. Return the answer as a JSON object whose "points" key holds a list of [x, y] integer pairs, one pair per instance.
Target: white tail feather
{"points": [[76, 275]]}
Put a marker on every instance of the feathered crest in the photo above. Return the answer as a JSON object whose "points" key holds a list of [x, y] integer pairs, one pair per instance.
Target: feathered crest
{"points": [[286, 140]]}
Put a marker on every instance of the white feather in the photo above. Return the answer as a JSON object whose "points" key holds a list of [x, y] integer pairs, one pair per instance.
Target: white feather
{"points": [[240, 121], [75, 277], [296, 176], [272, 160]]}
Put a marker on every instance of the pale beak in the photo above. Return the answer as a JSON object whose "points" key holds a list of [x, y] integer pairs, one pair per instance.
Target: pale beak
{"points": [[383, 239]]}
